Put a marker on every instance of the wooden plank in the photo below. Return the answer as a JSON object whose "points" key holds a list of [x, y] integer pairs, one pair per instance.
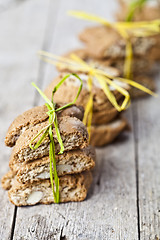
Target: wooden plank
{"points": [[110, 211], [7, 4], [22, 32], [147, 121]]}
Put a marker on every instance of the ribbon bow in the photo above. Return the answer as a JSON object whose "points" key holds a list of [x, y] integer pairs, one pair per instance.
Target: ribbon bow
{"points": [[105, 80]]}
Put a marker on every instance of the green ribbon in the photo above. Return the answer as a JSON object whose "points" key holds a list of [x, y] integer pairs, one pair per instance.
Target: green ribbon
{"points": [[48, 132], [134, 5]]}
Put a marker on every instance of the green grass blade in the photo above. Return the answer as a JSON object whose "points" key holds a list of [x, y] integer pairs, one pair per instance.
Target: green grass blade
{"points": [[48, 131], [58, 136], [134, 5], [53, 159], [40, 140], [78, 93], [43, 95]]}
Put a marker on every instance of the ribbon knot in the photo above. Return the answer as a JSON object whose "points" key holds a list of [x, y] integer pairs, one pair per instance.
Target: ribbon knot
{"points": [[91, 72]]}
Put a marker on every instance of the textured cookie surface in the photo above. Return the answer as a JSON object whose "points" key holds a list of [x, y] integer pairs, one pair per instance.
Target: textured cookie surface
{"points": [[73, 133], [71, 187], [34, 116], [75, 161]]}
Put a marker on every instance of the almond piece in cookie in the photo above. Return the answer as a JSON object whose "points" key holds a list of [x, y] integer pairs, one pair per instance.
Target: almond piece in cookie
{"points": [[72, 188], [34, 116], [73, 133], [75, 161]]}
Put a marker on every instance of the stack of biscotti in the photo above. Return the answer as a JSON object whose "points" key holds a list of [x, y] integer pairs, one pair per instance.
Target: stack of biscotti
{"points": [[28, 179], [108, 48], [149, 11], [107, 123]]}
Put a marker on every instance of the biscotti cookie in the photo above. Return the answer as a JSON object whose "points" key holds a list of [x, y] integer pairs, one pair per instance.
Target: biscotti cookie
{"points": [[73, 133], [104, 42], [72, 188], [75, 161], [34, 116], [106, 133], [70, 88], [104, 116]]}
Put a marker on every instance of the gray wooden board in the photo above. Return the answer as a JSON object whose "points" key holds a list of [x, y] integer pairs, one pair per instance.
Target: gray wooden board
{"points": [[147, 119], [120, 178], [22, 33], [7, 4]]}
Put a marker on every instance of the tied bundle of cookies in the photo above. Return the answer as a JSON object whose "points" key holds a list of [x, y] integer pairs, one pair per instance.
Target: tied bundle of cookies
{"points": [[104, 95], [106, 123], [131, 47], [102, 103], [141, 10], [51, 157]]}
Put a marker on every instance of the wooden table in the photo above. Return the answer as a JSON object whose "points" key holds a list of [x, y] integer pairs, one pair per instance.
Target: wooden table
{"points": [[124, 202]]}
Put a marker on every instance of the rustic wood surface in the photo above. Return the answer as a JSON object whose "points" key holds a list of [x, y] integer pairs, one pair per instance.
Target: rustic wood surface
{"points": [[124, 201]]}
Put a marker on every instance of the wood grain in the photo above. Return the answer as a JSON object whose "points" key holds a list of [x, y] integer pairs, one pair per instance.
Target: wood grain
{"points": [[147, 127], [21, 37], [9, 4]]}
